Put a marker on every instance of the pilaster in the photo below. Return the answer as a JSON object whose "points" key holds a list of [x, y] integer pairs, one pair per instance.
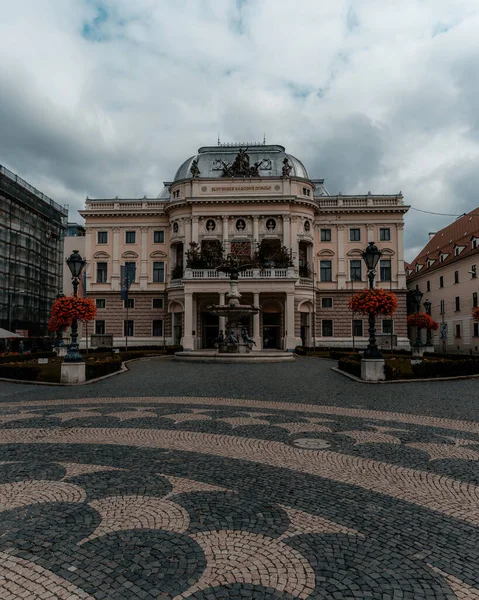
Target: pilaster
{"points": [[115, 277], [144, 258], [341, 265]]}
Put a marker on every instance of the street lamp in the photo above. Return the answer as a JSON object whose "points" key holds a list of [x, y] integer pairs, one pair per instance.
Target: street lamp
{"points": [[75, 263], [427, 307], [416, 298], [371, 257]]}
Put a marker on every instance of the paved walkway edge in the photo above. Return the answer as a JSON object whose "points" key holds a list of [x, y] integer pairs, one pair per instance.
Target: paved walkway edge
{"points": [[122, 369], [359, 380]]}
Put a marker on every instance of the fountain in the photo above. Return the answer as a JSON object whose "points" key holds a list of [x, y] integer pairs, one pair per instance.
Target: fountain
{"points": [[235, 345]]}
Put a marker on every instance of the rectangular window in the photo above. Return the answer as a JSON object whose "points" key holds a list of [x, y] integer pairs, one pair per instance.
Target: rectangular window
{"points": [[100, 327], [428, 286], [473, 272], [130, 303], [102, 237], [354, 235], [101, 272], [157, 328], [130, 237], [128, 328], [100, 303], [325, 270], [441, 281], [325, 235], [385, 270], [458, 304], [131, 271], [474, 300], [476, 330], [442, 307], [458, 331], [456, 276], [157, 303], [388, 326], [357, 328], [327, 328], [158, 272], [326, 303], [158, 237], [384, 234], [355, 270]]}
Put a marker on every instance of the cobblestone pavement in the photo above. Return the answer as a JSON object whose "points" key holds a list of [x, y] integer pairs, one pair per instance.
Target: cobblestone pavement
{"points": [[208, 496]]}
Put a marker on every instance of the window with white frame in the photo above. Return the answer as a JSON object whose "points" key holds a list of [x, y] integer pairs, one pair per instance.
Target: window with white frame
{"points": [[384, 234]]}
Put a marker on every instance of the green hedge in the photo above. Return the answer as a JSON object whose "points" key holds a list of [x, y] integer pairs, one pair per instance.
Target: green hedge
{"points": [[350, 365], [18, 358], [27, 372], [430, 368], [174, 349], [102, 367]]}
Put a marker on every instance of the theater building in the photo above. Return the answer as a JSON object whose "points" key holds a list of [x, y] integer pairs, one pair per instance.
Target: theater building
{"points": [[302, 247]]}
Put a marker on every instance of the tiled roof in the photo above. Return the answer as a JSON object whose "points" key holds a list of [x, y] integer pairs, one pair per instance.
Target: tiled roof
{"points": [[458, 233]]}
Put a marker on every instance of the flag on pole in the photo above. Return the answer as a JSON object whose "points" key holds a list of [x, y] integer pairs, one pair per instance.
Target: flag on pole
{"points": [[127, 276]]}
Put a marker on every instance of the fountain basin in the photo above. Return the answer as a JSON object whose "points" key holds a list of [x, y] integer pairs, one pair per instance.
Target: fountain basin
{"points": [[213, 356]]}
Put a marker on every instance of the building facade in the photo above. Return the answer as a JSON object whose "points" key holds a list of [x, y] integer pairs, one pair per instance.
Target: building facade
{"points": [[31, 252], [303, 247], [445, 271]]}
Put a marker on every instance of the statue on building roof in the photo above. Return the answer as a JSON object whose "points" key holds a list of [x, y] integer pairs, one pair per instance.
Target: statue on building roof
{"points": [[194, 169], [287, 168]]}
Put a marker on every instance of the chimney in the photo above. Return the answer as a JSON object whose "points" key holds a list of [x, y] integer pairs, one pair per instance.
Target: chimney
{"points": [[432, 234]]}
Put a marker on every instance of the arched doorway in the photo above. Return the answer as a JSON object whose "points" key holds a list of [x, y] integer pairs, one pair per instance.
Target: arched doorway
{"points": [[271, 311], [176, 309], [305, 311]]}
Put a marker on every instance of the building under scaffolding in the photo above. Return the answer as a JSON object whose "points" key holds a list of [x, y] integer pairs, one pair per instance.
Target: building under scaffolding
{"points": [[31, 254]]}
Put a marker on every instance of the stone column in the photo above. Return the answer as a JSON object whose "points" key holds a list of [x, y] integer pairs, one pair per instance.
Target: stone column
{"points": [[341, 264], [291, 341], [187, 340], [144, 258], [194, 230], [186, 245], [255, 230], [115, 276], [256, 335], [401, 274], [287, 231], [222, 320], [90, 273], [294, 242], [225, 233], [194, 318]]}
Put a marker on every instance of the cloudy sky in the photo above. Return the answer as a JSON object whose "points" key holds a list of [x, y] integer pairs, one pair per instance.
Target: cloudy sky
{"points": [[107, 97]]}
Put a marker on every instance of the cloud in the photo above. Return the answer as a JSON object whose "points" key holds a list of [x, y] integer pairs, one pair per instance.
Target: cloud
{"points": [[108, 97]]}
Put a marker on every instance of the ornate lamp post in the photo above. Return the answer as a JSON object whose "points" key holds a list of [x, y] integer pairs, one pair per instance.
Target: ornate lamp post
{"points": [[75, 263], [416, 298], [371, 257], [427, 307]]}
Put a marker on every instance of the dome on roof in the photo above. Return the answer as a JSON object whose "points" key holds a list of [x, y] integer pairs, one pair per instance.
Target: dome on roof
{"points": [[269, 160]]}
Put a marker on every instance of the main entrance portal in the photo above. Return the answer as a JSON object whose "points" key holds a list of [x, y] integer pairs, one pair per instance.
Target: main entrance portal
{"points": [[271, 330], [209, 330]]}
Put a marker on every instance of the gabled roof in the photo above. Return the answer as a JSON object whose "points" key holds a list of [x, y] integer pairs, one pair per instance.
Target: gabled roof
{"points": [[458, 233]]}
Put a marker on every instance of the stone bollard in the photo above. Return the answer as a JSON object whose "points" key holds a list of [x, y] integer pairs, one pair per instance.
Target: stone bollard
{"points": [[372, 369]]}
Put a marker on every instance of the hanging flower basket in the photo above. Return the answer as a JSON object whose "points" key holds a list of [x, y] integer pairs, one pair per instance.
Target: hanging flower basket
{"points": [[376, 301], [423, 321], [68, 308], [475, 313]]}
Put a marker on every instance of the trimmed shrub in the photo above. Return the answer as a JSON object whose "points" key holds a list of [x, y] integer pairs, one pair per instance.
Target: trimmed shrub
{"points": [[446, 368], [350, 365], [174, 349], [27, 372], [18, 358], [102, 367], [337, 355], [398, 368], [300, 351]]}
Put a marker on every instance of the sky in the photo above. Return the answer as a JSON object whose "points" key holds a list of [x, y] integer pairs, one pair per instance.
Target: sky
{"points": [[106, 98]]}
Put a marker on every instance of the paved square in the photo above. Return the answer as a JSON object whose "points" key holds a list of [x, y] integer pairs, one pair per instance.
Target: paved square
{"points": [[268, 482]]}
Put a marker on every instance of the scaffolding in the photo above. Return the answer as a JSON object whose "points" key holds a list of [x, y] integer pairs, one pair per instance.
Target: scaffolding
{"points": [[32, 229]]}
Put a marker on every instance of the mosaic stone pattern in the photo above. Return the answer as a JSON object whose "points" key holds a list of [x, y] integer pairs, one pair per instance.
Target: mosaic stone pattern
{"points": [[208, 498]]}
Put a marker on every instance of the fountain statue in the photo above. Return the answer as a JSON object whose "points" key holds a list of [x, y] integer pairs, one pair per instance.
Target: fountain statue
{"points": [[236, 339]]}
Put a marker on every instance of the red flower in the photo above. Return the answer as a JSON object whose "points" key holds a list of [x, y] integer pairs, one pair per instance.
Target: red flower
{"points": [[423, 321], [376, 301], [67, 308], [475, 313]]}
